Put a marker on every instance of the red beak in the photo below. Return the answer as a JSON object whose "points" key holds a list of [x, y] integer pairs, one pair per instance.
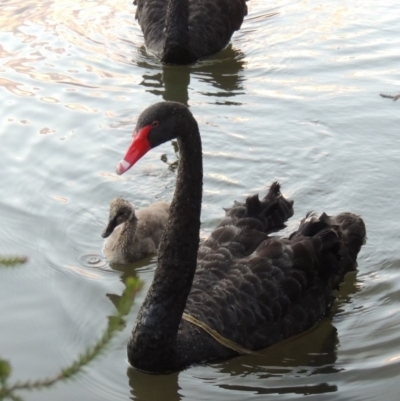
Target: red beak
{"points": [[137, 149]]}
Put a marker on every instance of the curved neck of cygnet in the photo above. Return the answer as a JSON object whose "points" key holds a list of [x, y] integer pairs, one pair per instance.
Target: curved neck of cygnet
{"points": [[130, 227], [127, 234]]}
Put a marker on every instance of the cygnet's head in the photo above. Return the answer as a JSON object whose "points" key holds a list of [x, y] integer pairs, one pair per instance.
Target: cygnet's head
{"points": [[120, 212]]}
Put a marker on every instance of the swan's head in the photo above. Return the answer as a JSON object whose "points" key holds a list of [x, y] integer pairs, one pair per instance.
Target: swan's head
{"points": [[159, 123], [120, 212]]}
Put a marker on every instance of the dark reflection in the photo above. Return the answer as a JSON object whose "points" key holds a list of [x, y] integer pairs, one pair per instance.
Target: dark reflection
{"points": [[222, 72], [347, 291], [146, 387], [128, 271], [321, 388]]}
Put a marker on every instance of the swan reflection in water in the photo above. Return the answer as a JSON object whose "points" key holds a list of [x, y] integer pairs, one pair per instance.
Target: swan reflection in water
{"points": [[222, 72]]}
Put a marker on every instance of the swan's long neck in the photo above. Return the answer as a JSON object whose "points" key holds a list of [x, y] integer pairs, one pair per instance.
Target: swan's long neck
{"points": [[176, 49], [152, 345]]}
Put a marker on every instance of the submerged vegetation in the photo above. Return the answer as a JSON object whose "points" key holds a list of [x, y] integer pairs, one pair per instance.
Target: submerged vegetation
{"points": [[115, 323], [12, 260]]}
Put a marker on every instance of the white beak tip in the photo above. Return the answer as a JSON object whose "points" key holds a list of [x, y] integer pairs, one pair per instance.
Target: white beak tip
{"points": [[121, 167]]}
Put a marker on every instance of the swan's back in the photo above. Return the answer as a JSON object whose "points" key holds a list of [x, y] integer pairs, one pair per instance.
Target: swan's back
{"points": [[257, 290], [151, 16], [212, 24], [210, 27]]}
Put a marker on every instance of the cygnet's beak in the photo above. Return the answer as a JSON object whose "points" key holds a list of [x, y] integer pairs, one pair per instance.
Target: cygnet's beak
{"points": [[112, 223]]}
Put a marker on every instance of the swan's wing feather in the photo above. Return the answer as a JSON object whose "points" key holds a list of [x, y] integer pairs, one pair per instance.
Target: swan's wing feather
{"points": [[282, 288], [151, 17], [240, 241], [212, 23], [271, 212]]}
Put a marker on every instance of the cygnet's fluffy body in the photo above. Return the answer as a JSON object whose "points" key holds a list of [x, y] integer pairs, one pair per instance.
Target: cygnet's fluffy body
{"points": [[131, 235]]}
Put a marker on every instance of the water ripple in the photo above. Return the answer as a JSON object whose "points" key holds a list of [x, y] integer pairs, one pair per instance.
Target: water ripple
{"points": [[293, 98]]}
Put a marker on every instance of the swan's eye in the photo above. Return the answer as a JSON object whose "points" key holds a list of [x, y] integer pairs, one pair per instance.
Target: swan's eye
{"points": [[155, 124]]}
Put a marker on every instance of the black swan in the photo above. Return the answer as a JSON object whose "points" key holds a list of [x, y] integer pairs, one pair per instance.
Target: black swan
{"points": [[183, 31], [251, 289], [130, 235]]}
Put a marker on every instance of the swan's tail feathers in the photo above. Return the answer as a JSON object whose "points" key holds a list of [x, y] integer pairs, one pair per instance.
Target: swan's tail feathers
{"points": [[267, 215], [349, 228], [275, 208], [336, 242], [353, 231]]}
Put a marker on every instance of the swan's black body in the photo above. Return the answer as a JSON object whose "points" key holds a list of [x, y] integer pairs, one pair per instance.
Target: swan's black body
{"points": [[251, 288], [183, 31]]}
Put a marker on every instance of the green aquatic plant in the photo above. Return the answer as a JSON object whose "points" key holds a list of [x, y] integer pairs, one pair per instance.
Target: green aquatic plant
{"points": [[115, 324], [12, 260]]}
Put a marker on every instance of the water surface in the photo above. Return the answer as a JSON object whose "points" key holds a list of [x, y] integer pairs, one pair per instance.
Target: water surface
{"points": [[294, 98]]}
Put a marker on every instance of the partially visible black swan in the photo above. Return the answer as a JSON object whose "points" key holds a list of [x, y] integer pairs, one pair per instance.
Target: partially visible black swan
{"points": [[132, 236], [183, 31], [252, 289]]}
